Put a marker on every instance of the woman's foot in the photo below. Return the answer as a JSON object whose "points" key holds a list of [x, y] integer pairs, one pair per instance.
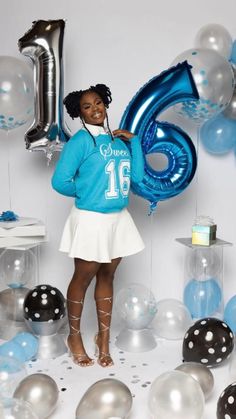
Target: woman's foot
{"points": [[77, 351], [102, 350]]}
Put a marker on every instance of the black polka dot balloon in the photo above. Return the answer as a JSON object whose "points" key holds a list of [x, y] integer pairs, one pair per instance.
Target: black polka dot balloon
{"points": [[44, 304], [226, 405], [209, 341]]}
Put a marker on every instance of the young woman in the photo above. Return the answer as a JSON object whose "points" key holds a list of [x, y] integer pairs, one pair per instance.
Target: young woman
{"points": [[96, 168]]}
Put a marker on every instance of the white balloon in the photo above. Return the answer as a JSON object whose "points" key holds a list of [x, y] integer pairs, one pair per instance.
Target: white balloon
{"points": [[176, 395], [172, 319], [215, 37]]}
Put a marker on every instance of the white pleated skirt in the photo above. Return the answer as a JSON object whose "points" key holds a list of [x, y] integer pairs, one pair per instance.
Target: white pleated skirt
{"points": [[100, 237]]}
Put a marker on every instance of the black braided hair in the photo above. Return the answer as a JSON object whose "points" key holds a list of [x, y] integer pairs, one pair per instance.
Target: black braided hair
{"points": [[72, 100], [72, 103]]}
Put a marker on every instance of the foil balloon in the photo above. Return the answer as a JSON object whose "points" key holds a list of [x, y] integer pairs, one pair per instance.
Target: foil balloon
{"points": [[176, 395], [43, 43], [173, 85], [215, 37], [107, 398], [16, 93], [40, 391], [214, 79], [201, 373]]}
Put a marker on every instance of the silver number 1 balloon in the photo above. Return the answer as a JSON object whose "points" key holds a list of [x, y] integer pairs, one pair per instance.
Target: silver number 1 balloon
{"points": [[43, 43]]}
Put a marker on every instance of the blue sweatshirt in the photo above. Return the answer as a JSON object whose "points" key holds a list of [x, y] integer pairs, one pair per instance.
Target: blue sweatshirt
{"points": [[98, 176]]}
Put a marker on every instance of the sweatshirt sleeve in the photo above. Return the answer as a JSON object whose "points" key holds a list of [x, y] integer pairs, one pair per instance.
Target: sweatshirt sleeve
{"points": [[137, 172], [68, 165]]}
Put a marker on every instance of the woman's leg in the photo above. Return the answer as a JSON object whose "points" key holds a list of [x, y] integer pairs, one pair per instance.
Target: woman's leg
{"points": [[104, 301], [83, 275]]}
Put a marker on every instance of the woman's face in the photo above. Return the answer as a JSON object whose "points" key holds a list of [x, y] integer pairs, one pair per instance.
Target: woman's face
{"points": [[92, 109]]}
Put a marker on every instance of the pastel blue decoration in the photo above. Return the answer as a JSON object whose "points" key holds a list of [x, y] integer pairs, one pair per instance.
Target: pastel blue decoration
{"points": [[29, 344], [13, 350], [8, 216], [218, 135], [233, 53], [230, 313], [174, 85], [202, 298]]}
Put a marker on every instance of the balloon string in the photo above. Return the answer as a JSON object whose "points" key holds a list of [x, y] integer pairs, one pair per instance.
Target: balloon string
{"points": [[197, 171], [151, 250], [9, 170]]}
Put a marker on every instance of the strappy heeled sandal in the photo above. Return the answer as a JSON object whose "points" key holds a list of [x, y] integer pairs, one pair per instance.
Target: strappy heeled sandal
{"points": [[81, 359], [103, 358]]}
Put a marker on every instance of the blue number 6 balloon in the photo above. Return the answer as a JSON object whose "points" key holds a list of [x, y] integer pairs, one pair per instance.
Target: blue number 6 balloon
{"points": [[173, 85]]}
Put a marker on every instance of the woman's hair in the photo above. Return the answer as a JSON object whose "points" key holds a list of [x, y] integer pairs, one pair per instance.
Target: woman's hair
{"points": [[72, 100]]}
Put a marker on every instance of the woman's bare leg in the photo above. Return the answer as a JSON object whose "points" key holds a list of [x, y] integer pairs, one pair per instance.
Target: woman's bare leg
{"points": [[104, 302], [83, 275]]}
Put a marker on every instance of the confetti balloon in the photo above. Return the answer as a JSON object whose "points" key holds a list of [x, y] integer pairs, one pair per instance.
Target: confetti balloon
{"points": [[214, 79], [209, 341], [16, 409]]}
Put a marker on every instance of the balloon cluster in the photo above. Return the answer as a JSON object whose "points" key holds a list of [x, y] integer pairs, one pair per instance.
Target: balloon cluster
{"points": [[213, 68]]}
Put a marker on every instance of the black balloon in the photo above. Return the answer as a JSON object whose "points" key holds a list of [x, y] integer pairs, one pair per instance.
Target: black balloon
{"points": [[44, 303], [209, 341], [226, 405]]}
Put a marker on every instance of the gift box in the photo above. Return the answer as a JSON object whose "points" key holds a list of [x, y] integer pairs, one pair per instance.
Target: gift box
{"points": [[204, 231]]}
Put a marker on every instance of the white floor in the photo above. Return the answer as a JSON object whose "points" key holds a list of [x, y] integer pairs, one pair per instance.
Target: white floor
{"points": [[136, 370]]}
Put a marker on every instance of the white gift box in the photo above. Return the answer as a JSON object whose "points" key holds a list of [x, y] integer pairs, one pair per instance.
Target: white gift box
{"points": [[24, 227]]}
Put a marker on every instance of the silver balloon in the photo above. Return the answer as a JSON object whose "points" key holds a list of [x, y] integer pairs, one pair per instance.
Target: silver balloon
{"points": [[41, 391], [43, 43], [230, 111], [201, 373], [215, 37], [172, 319], [16, 93], [176, 395], [16, 409], [214, 79], [136, 306], [106, 399], [11, 303]]}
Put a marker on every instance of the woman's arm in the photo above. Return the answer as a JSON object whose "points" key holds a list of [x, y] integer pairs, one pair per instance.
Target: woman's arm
{"points": [[137, 171], [67, 166]]}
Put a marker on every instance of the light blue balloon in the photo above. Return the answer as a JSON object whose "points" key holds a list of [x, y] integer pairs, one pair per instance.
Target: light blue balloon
{"points": [[230, 313], [29, 344], [233, 53], [202, 298], [13, 350], [218, 135]]}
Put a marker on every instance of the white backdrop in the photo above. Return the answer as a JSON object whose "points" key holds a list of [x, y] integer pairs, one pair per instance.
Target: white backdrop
{"points": [[123, 44]]}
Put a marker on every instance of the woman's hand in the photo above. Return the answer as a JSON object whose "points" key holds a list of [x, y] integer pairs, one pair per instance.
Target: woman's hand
{"points": [[123, 134]]}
